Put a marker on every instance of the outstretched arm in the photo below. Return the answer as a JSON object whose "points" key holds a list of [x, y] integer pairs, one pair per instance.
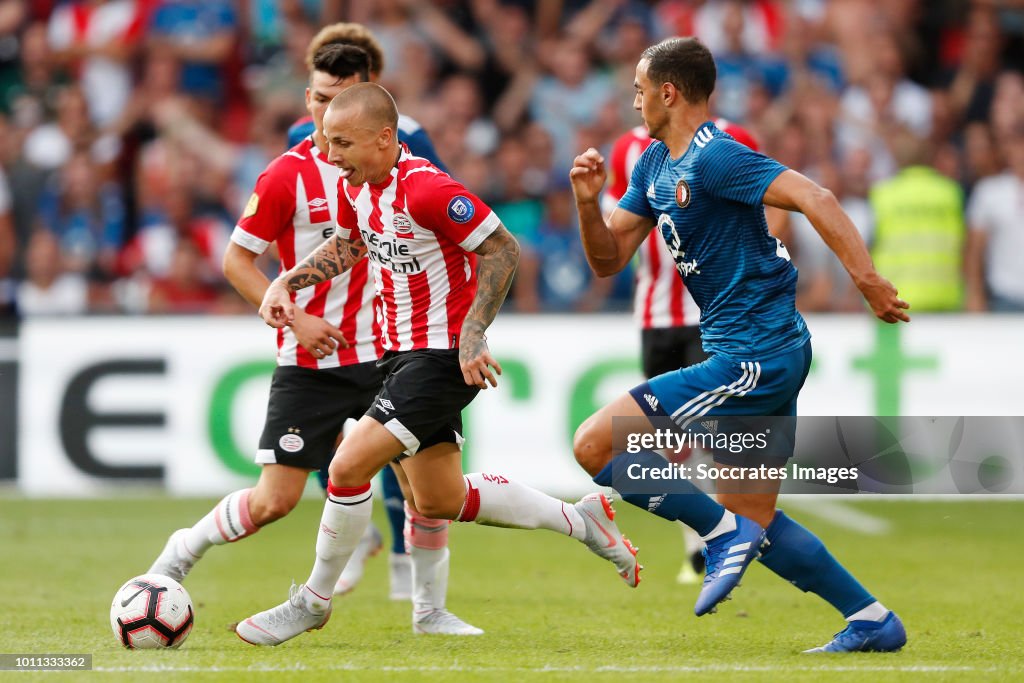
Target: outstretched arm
{"points": [[608, 246], [499, 256], [794, 192], [333, 257]]}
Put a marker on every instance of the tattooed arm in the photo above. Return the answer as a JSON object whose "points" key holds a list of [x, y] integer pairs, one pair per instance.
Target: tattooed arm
{"points": [[330, 259], [499, 256]]}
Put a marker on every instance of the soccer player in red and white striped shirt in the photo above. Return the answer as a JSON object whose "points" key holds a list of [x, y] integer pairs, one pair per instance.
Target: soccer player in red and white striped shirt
{"points": [[443, 263], [668, 316], [329, 350]]}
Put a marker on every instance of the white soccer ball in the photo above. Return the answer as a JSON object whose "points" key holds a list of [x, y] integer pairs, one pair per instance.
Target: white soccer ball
{"points": [[150, 612]]}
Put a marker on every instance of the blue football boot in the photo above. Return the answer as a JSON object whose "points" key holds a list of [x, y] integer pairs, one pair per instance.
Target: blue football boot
{"points": [[726, 558], [887, 635]]}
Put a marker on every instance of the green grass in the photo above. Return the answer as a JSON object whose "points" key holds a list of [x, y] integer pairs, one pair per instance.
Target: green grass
{"points": [[551, 610]]}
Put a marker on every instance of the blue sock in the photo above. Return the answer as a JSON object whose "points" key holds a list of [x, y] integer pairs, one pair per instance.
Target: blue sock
{"points": [[675, 499], [801, 558], [393, 504]]}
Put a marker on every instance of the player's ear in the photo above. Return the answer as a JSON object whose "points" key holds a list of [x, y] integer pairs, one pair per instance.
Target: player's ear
{"points": [[385, 136], [669, 94]]}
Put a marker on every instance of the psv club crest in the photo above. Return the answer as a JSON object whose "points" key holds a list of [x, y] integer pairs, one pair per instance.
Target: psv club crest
{"points": [[682, 194]]}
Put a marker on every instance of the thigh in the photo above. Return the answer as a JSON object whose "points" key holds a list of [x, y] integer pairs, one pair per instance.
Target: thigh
{"points": [[605, 434], [363, 453]]}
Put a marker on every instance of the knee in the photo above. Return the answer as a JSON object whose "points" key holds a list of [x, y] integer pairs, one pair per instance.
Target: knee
{"points": [[590, 453], [343, 473], [436, 507], [265, 508]]}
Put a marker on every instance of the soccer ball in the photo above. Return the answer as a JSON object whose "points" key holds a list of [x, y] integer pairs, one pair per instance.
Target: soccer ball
{"points": [[151, 611]]}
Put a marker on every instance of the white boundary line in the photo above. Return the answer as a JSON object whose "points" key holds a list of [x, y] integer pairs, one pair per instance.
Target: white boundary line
{"points": [[838, 513], [456, 668], [924, 497]]}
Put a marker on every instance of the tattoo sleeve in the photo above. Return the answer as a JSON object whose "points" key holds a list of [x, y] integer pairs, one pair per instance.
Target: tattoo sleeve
{"points": [[499, 256], [330, 259]]}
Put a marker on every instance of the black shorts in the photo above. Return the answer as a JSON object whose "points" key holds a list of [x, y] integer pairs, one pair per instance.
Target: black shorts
{"points": [[664, 349], [422, 398], [307, 409]]}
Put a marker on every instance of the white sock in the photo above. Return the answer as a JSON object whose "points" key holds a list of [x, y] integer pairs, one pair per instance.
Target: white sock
{"points": [[426, 541], [493, 500], [724, 526], [429, 582], [227, 522], [346, 515], [876, 611]]}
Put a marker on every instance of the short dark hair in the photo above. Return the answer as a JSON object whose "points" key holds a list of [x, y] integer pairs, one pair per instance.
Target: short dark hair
{"points": [[685, 63], [342, 61]]}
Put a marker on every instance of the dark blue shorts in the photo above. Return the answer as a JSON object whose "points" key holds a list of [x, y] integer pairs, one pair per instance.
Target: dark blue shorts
{"points": [[727, 386]]}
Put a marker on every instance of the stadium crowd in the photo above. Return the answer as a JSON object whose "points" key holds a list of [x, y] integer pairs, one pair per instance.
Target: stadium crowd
{"points": [[133, 131]]}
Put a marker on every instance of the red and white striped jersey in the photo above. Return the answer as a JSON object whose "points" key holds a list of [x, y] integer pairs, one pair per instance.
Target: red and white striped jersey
{"points": [[295, 204], [420, 227], [659, 299]]}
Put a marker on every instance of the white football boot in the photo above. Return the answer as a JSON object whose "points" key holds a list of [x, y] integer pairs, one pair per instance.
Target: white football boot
{"points": [[444, 623], [289, 619], [604, 538]]}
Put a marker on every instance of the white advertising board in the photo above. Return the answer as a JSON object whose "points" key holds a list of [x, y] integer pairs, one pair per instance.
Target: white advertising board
{"points": [[104, 401]]}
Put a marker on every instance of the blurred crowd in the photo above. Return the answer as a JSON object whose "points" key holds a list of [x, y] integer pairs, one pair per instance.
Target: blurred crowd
{"points": [[133, 131]]}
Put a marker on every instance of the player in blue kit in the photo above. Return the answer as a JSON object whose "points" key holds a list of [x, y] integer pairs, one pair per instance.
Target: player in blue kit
{"points": [[704, 192]]}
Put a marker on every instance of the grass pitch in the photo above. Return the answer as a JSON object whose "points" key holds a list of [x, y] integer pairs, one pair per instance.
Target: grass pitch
{"points": [[551, 610]]}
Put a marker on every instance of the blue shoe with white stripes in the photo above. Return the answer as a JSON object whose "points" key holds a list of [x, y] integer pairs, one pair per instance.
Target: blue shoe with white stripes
{"points": [[887, 635], [726, 558]]}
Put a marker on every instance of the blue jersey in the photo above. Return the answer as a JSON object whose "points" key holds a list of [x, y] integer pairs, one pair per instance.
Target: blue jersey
{"points": [[409, 131], [707, 205]]}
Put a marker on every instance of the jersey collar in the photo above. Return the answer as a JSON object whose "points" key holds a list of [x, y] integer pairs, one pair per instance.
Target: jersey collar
{"points": [[704, 134], [701, 137]]}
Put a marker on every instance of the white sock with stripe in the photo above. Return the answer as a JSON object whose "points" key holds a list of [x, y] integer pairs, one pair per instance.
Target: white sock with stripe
{"points": [[346, 516], [426, 541], [227, 522], [724, 526], [876, 611], [493, 500]]}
